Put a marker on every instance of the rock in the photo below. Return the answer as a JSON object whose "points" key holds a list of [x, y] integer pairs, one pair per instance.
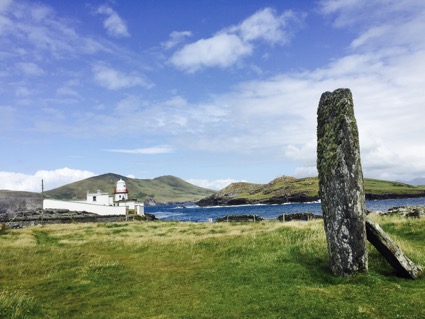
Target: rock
{"points": [[407, 211], [341, 183], [150, 202], [64, 216], [391, 252], [145, 217], [238, 201], [239, 218], [15, 201], [298, 216]]}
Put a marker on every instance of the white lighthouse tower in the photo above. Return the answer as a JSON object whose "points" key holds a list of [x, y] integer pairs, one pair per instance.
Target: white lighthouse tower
{"points": [[121, 192]]}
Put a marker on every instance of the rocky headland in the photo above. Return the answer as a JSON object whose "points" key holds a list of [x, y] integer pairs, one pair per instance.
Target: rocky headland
{"points": [[288, 189]]}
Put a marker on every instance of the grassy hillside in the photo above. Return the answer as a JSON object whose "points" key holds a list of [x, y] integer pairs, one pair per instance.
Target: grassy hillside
{"points": [[376, 186], [285, 188], [199, 270], [172, 189], [162, 189]]}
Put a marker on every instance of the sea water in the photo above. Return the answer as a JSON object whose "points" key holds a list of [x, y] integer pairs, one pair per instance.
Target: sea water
{"points": [[194, 213]]}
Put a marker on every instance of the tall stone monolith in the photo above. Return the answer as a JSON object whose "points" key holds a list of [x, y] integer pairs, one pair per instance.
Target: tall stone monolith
{"points": [[341, 183]]}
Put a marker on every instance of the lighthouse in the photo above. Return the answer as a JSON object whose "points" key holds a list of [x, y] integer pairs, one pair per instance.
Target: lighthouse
{"points": [[101, 203], [120, 192]]}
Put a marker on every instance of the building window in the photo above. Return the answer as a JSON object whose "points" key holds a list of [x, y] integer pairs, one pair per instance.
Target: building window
{"points": [[94, 198]]}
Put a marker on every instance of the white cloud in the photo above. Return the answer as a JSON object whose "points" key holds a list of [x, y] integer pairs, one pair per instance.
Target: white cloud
{"points": [[175, 38], [215, 185], [30, 69], [35, 31], [113, 79], [114, 24], [332, 6], [154, 150], [32, 183], [222, 50], [266, 25], [4, 4], [67, 91], [22, 92], [40, 13], [231, 44], [372, 15]]}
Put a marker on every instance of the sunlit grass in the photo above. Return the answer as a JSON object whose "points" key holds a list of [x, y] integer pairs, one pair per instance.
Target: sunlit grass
{"points": [[199, 270]]}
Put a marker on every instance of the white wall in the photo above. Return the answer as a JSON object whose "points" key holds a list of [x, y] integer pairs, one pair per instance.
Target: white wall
{"points": [[101, 198], [131, 204], [140, 209], [83, 206]]}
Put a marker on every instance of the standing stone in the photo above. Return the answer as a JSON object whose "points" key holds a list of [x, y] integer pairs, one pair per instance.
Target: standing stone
{"points": [[341, 183]]}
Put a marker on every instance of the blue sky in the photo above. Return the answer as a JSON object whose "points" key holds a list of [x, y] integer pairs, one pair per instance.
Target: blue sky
{"points": [[209, 91]]}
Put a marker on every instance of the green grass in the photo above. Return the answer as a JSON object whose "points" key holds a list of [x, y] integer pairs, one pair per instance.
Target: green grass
{"points": [[199, 270]]}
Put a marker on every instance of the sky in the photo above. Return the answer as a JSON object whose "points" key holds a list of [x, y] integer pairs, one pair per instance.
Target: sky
{"points": [[212, 92]]}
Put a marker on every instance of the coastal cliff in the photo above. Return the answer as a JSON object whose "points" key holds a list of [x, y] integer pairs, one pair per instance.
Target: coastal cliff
{"points": [[287, 189]]}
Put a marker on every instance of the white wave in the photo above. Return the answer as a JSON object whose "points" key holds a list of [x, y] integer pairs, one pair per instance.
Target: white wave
{"points": [[302, 203], [162, 215], [184, 206]]}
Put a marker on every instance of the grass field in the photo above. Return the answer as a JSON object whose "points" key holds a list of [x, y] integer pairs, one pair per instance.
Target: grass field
{"points": [[199, 270]]}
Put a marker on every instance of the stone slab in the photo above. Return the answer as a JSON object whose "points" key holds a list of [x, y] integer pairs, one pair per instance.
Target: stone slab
{"points": [[391, 251]]}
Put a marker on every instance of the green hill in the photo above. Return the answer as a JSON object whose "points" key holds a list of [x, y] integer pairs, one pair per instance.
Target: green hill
{"points": [[289, 189], [161, 189], [166, 189]]}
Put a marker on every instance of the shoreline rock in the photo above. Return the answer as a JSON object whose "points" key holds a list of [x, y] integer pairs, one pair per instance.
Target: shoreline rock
{"points": [[63, 216], [405, 211], [298, 216], [228, 201], [239, 218]]}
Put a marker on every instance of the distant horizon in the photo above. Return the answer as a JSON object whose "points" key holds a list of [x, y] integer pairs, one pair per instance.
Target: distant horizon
{"points": [[214, 92], [225, 183]]}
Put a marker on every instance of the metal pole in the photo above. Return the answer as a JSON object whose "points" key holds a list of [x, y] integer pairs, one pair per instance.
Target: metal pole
{"points": [[42, 201]]}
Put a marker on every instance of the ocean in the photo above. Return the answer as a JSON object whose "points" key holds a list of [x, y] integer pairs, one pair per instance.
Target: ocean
{"points": [[195, 213]]}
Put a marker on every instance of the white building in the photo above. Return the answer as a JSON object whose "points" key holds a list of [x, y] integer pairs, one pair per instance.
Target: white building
{"points": [[101, 203]]}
